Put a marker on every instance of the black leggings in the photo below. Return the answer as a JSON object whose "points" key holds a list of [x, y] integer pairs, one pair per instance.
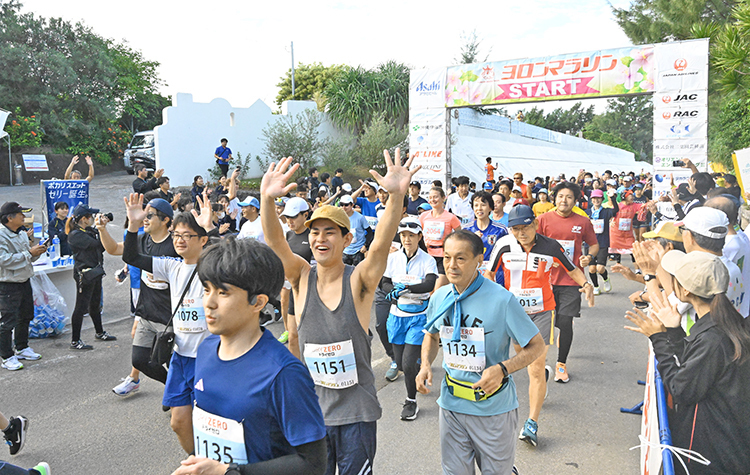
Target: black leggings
{"points": [[140, 360], [382, 308], [88, 300], [407, 359], [565, 324]]}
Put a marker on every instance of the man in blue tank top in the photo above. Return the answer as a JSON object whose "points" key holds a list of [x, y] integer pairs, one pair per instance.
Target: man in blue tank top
{"points": [[333, 325]]}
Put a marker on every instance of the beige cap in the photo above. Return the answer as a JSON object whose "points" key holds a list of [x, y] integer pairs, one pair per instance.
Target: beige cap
{"points": [[666, 230], [333, 213], [700, 273]]}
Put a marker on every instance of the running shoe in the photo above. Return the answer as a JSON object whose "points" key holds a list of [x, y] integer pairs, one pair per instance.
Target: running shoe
{"points": [[597, 291], [528, 434], [127, 386], [284, 338], [28, 354], [15, 433], [80, 345], [410, 411], [515, 470], [392, 373], [43, 468], [12, 363], [265, 319], [547, 372], [561, 373], [607, 285], [105, 336]]}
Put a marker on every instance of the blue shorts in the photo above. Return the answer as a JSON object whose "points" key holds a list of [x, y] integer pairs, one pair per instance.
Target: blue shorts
{"points": [[351, 448], [180, 382], [406, 330]]}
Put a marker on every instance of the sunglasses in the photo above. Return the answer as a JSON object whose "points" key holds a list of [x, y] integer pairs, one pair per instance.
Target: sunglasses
{"points": [[409, 225]]}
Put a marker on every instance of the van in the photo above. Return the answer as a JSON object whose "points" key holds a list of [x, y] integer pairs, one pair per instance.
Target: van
{"points": [[141, 150]]}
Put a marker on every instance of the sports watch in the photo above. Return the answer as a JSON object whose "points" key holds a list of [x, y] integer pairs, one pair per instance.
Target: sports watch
{"points": [[649, 277], [233, 469]]}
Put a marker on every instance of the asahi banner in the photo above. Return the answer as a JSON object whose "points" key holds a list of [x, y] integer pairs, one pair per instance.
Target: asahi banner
{"points": [[427, 126]]}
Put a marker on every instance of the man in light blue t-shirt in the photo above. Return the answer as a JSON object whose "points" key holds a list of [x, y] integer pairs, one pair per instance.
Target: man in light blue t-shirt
{"points": [[355, 252], [476, 320]]}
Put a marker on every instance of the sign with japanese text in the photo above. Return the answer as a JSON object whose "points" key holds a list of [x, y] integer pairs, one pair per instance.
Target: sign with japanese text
{"points": [[71, 192], [427, 126]]}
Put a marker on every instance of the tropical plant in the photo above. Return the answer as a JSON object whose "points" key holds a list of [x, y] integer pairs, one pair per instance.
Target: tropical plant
{"points": [[379, 135], [24, 131], [297, 136], [309, 80]]}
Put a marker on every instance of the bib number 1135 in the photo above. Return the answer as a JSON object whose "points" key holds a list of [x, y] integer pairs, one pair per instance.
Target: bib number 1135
{"points": [[218, 438]]}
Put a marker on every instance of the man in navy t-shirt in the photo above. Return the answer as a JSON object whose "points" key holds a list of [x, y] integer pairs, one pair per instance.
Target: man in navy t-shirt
{"points": [[222, 155], [269, 420]]}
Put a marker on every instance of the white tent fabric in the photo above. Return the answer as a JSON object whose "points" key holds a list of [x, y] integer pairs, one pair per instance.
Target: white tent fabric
{"points": [[534, 151]]}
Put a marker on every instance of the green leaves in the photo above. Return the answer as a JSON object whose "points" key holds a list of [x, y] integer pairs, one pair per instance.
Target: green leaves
{"points": [[296, 136], [310, 81]]}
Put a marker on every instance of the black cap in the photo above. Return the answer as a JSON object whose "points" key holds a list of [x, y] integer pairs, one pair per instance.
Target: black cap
{"points": [[416, 183], [11, 207], [83, 210]]}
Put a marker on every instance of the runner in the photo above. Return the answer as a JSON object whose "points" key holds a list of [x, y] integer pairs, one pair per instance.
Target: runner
{"points": [[296, 211], [189, 235], [489, 171], [437, 224], [252, 227], [543, 204], [269, 420], [460, 203], [414, 199], [408, 280], [335, 343], [483, 227], [476, 319], [600, 219], [369, 202], [526, 260], [499, 216], [571, 230], [354, 252], [621, 236]]}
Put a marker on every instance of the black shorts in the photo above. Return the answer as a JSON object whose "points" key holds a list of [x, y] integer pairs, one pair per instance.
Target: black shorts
{"points": [[567, 300], [439, 262], [601, 257]]}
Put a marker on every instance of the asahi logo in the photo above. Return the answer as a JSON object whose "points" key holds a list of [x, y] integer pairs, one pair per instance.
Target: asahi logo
{"points": [[680, 64]]}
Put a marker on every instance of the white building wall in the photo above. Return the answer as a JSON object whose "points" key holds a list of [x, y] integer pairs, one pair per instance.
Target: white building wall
{"points": [[191, 131]]}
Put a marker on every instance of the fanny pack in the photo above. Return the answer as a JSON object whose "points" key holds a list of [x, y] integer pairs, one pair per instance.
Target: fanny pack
{"points": [[463, 389]]}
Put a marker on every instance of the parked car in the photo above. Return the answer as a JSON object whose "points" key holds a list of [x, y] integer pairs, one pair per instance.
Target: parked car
{"points": [[141, 150]]}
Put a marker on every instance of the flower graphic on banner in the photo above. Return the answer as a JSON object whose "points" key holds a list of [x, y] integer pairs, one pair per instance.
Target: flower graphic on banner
{"points": [[633, 74]]}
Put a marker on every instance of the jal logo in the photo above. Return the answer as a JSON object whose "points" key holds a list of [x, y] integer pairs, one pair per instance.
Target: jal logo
{"points": [[667, 115], [666, 99], [428, 88], [680, 64]]}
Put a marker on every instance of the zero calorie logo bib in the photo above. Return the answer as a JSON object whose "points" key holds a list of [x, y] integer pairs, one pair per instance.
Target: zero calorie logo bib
{"points": [[190, 318], [464, 355], [332, 365], [625, 224], [218, 438], [531, 300], [569, 247], [598, 225]]}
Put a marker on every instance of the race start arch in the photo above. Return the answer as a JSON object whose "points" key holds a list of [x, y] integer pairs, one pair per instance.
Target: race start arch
{"points": [[675, 73]]}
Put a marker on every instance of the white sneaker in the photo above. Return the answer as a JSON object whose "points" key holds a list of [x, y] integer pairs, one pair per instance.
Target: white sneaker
{"points": [[607, 285], [12, 364], [597, 291], [127, 386], [28, 354]]}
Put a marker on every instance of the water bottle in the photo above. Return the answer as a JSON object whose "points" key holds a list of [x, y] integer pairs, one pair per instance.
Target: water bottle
{"points": [[55, 252]]}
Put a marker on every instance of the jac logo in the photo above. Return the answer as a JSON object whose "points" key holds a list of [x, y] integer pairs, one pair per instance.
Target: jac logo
{"points": [[680, 64], [667, 115], [680, 98], [666, 99], [576, 229]]}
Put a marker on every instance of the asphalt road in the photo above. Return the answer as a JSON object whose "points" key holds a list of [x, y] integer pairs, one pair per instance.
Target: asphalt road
{"points": [[80, 427]]}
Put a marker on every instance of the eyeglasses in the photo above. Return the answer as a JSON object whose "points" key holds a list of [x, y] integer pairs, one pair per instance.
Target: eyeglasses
{"points": [[347, 204], [183, 237], [518, 178]]}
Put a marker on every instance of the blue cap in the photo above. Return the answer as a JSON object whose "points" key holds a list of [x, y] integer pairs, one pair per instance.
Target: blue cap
{"points": [[250, 201], [487, 186], [424, 207], [82, 210], [163, 206], [520, 214], [543, 190]]}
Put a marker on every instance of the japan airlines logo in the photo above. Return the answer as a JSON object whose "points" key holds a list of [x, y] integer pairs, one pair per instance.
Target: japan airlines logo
{"points": [[680, 64], [667, 115], [666, 99]]}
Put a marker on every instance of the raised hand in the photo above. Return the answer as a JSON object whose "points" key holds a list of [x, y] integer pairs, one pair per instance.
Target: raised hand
{"points": [[645, 323], [204, 218], [664, 311], [398, 177], [74, 161], [274, 182], [134, 209], [236, 173], [88, 160], [158, 173]]}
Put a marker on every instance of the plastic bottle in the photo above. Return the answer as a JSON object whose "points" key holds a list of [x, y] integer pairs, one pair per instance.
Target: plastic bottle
{"points": [[55, 253]]}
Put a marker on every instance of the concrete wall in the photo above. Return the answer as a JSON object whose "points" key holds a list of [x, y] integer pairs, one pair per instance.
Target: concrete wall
{"points": [[518, 147], [191, 131]]}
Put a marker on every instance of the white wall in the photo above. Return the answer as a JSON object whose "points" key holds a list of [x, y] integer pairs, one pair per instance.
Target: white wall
{"points": [[533, 151], [191, 131]]}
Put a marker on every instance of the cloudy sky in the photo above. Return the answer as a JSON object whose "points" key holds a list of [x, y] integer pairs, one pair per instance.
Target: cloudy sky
{"points": [[238, 50]]}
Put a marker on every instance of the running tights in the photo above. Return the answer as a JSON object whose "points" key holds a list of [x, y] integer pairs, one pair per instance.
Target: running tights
{"points": [[141, 361], [407, 359], [565, 324]]}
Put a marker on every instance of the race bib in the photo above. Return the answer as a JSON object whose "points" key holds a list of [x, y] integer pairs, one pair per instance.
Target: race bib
{"points": [[372, 221], [433, 230], [466, 221], [464, 355], [406, 279], [625, 224], [218, 438], [485, 266], [531, 300], [332, 365], [569, 247], [148, 279], [598, 225], [190, 319]]}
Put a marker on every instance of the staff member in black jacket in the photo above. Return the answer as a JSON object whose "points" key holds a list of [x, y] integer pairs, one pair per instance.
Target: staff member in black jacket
{"points": [[88, 271], [707, 373]]}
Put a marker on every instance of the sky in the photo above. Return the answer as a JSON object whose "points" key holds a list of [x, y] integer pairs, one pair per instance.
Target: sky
{"points": [[239, 50]]}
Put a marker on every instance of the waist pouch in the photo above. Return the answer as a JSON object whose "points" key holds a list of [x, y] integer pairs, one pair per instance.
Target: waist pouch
{"points": [[463, 389]]}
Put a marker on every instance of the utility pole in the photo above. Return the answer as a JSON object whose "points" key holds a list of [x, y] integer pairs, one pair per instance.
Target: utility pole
{"points": [[292, 70]]}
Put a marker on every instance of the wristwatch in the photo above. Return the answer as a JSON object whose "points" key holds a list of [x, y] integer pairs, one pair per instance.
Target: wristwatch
{"points": [[233, 469], [649, 277]]}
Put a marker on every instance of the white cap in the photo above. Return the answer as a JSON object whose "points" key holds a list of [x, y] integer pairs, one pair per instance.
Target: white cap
{"points": [[611, 182], [517, 188], [410, 224], [295, 206], [703, 220], [347, 187], [346, 199], [372, 184]]}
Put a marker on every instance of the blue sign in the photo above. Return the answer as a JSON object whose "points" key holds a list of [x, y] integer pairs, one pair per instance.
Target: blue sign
{"points": [[71, 192]]}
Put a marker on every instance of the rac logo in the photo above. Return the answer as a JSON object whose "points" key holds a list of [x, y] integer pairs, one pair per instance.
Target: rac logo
{"points": [[680, 64]]}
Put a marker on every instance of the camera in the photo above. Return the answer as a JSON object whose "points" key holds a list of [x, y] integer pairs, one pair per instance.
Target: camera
{"points": [[109, 216], [678, 163]]}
